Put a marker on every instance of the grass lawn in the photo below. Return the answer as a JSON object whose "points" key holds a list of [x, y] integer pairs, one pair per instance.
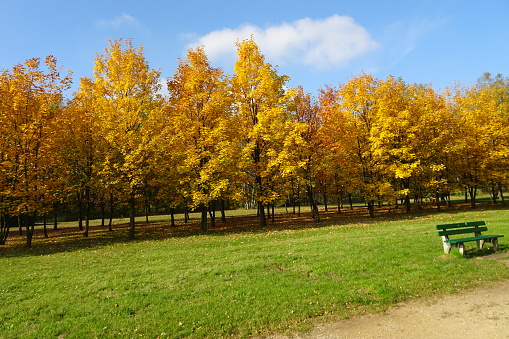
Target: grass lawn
{"points": [[236, 280]]}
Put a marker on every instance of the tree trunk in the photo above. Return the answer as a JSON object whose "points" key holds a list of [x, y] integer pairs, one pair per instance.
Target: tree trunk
{"points": [[80, 211], [29, 227], [501, 192], [350, 200], [340, 201], [261, 210], [132, 215], [494, 194], [204, 217], [312, 203], [186, 214], [103, 212], [223, 214], [87, 211], [147, 210], [408, 206], [325, 198], [172, 215], [111, 213], [298, 200], [55, 215], [371, 208], [45, 222], [5, 223], [472, 191], [212, 213]]}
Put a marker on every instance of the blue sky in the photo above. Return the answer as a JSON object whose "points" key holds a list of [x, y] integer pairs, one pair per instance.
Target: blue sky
{"points": [[316, 43]]}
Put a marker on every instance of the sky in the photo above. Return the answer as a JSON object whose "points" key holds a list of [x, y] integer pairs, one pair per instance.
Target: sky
{"points": [[316, 43]]}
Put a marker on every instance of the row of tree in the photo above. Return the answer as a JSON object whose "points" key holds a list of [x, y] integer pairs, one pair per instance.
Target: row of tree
{"points": [[242, 137]]}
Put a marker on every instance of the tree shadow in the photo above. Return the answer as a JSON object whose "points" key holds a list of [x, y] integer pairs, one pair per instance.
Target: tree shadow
{"points": [[68, 239]]}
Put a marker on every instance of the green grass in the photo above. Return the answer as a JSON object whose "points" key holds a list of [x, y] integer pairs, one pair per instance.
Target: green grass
{"points": [[238, 282]]}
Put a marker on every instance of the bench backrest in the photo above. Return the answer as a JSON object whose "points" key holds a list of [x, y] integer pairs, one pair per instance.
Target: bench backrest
{"points": [[461, 228]]}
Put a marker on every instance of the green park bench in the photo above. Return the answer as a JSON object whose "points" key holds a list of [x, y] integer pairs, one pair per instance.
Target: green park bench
{"points": [[463, 228]]}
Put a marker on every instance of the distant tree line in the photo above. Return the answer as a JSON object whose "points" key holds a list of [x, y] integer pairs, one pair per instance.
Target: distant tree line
{"points": [[237, 139]]}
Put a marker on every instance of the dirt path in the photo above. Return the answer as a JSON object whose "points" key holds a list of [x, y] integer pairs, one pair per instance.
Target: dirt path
{"points": [[480, 313]]}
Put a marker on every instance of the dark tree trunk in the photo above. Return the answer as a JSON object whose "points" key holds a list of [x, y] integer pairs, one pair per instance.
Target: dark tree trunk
{"points": [[408, 206], [371, 208], [147, 210], [350, 200], [501, 192], [312, 203], [212, 214], [298, 200], [45, 224], [325, 198], [5, 224], [55, 215], [80, 211], [103, 212], [204, 217], [186, 214], [472, 191], [223, 214], [110, 228], [172, 215], [29, 227], [132, 215], [494, 194], [340, 201], [87, 211], [261, 216]]}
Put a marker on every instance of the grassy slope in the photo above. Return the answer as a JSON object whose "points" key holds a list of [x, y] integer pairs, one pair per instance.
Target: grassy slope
{"points": [[239, 283]]}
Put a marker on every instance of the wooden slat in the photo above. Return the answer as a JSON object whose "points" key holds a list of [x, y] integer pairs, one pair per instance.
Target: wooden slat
{"points": [[463, 231], [460, 224], [483, 237]]}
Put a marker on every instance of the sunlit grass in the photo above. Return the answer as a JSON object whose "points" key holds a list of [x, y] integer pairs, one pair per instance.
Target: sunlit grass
{"points": [[235, 280]]}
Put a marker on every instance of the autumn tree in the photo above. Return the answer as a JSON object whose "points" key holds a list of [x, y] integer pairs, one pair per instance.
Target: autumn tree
{"points": [[307, 112], [266, 130], [124, 91], [81, 150], [497, 90], [336, 159], [481, 137], [30, 102], [200, 103], [356, 114]]}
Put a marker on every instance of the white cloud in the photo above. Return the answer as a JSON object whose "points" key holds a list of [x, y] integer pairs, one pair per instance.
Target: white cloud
{"points": [[120, 21], [322, 43]]}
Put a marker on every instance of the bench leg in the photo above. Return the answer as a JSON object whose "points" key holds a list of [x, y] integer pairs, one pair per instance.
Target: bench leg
{"points": [[461, 247], [494, 241], [480, 244], [447, 248]]}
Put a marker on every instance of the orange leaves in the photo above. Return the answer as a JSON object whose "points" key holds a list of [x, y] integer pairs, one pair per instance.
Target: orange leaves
{"points": [[30, 103]]}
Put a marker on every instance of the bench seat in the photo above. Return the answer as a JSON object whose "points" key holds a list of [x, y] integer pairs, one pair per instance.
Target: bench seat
{"points": [[484, 237]]}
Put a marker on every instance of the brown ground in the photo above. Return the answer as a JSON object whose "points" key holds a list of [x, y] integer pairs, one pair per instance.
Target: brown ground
{"points": [[480, 313]]}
